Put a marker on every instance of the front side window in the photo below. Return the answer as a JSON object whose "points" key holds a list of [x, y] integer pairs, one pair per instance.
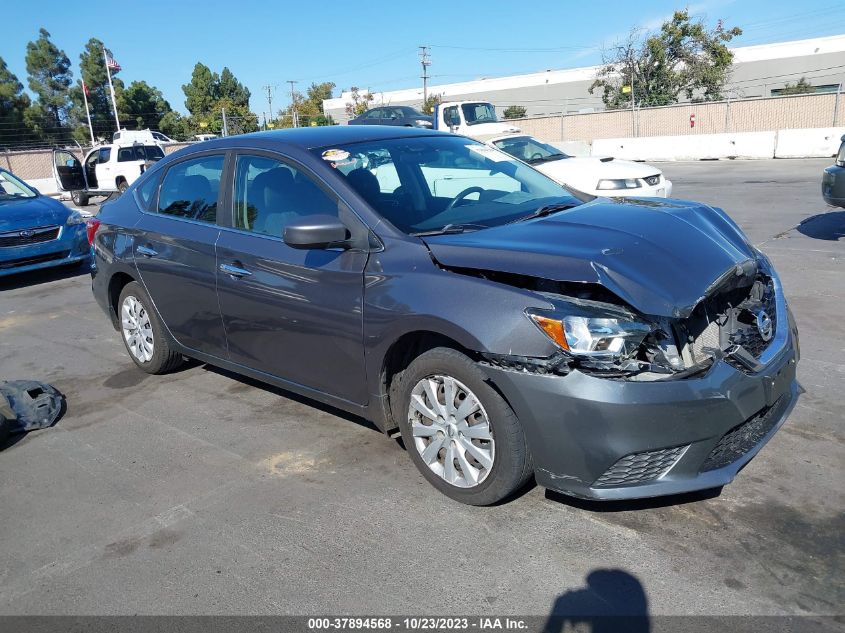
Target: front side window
{"points": [[12, 188], [190, 189], [270, 195], [104, 155], [436, 183], [529, 149], [479, 113], [451, 116]]}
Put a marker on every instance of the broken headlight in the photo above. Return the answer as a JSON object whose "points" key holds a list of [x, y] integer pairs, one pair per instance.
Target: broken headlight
{"points": [[599, 335]]}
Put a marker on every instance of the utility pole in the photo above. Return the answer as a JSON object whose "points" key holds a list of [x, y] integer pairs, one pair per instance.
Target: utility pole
{"points": [[225, 124], [294, 114], [425, 60], [270, 90]]}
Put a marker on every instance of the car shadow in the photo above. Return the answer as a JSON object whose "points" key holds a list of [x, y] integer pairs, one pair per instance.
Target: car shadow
{"points": [[828, 226], [44, 275], [611, 600], [632, 505], [284, 393]]}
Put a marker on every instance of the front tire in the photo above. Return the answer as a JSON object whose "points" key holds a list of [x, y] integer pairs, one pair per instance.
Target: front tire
{"points": [[79, 198], [461, 434], [143, 333]]}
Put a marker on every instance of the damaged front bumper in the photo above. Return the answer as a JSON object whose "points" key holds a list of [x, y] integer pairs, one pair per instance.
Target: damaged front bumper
{"points": [[604, 438]]}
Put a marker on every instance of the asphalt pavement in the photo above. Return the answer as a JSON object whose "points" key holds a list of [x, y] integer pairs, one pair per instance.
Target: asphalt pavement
{"points": [[203, 492]]}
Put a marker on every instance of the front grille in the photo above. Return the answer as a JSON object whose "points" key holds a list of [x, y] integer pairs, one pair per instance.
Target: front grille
{"points": [[26, 237], [652, 180], [640, 467], [741, 439], [29, 261]]}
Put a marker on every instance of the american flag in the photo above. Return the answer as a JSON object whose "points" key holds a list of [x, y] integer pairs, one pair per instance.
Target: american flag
{"points": [[111, 62]]}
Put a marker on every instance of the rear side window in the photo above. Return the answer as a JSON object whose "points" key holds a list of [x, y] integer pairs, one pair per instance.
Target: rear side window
{"points": [[125, 154], [190, 189], [146, 192]]}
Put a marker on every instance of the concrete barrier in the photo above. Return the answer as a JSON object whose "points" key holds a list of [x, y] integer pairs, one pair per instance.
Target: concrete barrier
{"points": [[573, 148], [809, 142], [695, 147]]}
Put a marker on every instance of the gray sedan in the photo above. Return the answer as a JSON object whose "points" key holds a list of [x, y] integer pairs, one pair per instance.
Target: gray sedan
{"points": [[394, 115], [833, 180]]}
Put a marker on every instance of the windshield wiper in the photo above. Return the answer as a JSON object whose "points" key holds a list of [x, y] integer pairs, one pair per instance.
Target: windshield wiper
{"points": [[543, 159], [544, 211], [451, 229]]}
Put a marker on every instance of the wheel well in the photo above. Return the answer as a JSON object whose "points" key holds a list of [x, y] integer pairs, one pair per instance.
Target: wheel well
{"points": [[402, 353], [119, 180], [116, 285]]}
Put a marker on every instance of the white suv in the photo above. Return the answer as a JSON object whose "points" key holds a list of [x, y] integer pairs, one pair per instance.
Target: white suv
{"points": [[105, 169]]}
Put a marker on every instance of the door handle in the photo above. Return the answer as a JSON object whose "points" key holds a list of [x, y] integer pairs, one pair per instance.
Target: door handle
{"points": [[235, 271], [146, 251]]}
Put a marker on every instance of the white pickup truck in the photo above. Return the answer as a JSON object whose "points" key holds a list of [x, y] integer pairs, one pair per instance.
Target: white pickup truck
{"points": [[476, 119], [104, 170]]}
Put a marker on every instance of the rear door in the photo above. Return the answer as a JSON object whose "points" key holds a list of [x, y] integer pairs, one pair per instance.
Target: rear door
{"points": [[174, 251], [68, 172], [292, 313]]}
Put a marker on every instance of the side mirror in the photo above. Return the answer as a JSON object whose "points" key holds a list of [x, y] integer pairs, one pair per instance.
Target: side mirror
{"points": [[319, 231]]}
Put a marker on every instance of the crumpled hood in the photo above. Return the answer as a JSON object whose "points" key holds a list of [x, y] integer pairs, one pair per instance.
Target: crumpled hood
{"points": [[32, 212], [661, 257]]}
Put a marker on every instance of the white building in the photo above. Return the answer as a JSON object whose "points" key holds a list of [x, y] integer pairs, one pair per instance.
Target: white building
{"points": [[758, 71]]}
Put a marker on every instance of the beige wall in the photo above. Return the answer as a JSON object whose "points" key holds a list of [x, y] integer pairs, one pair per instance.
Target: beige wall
{"points": [[750, 115]]}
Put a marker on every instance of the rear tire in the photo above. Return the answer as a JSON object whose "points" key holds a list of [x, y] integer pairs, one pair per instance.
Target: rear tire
{"points": [[122, 186], [474, 452], [79, 198], [143, 333]]}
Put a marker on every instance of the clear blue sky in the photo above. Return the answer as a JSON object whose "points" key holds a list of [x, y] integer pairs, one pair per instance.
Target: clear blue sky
{"points": [[359, 43]]}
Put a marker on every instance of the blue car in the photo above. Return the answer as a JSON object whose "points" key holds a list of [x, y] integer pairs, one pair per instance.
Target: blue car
{"points": [[37, 231]]}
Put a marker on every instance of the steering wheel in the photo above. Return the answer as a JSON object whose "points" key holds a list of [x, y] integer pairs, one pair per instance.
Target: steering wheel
{"points": [[463, 195]]}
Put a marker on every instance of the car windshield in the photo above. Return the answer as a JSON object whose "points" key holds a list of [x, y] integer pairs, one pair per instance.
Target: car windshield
{"points": [[479, 113], [529, 149], [444, 183], [12, 188]]}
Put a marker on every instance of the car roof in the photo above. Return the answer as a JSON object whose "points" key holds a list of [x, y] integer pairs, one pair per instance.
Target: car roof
{"points": [[314, 137]]}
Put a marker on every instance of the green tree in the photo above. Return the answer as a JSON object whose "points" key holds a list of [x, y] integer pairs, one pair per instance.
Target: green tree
{"points": [[175, 126], [203, 91], [233, 90], [142, 104], [431, 101], [801, 87], [92, 68], [683, 59], [514, 112], [49, 78], [309, 107], [360, 102], [13, 105]]}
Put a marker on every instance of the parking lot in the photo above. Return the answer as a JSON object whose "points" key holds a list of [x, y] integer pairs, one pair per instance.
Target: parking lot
{"points": [[203, 492]]}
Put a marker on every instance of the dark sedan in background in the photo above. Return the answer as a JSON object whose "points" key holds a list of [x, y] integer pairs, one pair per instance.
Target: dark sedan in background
{"points": [[833, 180], [37, 231], [394, 115], [438, 286]]}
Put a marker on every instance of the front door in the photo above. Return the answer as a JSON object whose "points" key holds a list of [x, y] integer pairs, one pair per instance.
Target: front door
{"points": [[174, 252], [295, 314], [68, 172]]}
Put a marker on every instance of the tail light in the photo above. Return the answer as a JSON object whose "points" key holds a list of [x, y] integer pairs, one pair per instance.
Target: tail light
{"points": [[91, 227]]}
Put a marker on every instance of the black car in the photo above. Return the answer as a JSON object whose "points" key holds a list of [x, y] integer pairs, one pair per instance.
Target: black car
{"points": [[833, 180], [394, 115], [439, 287]]}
